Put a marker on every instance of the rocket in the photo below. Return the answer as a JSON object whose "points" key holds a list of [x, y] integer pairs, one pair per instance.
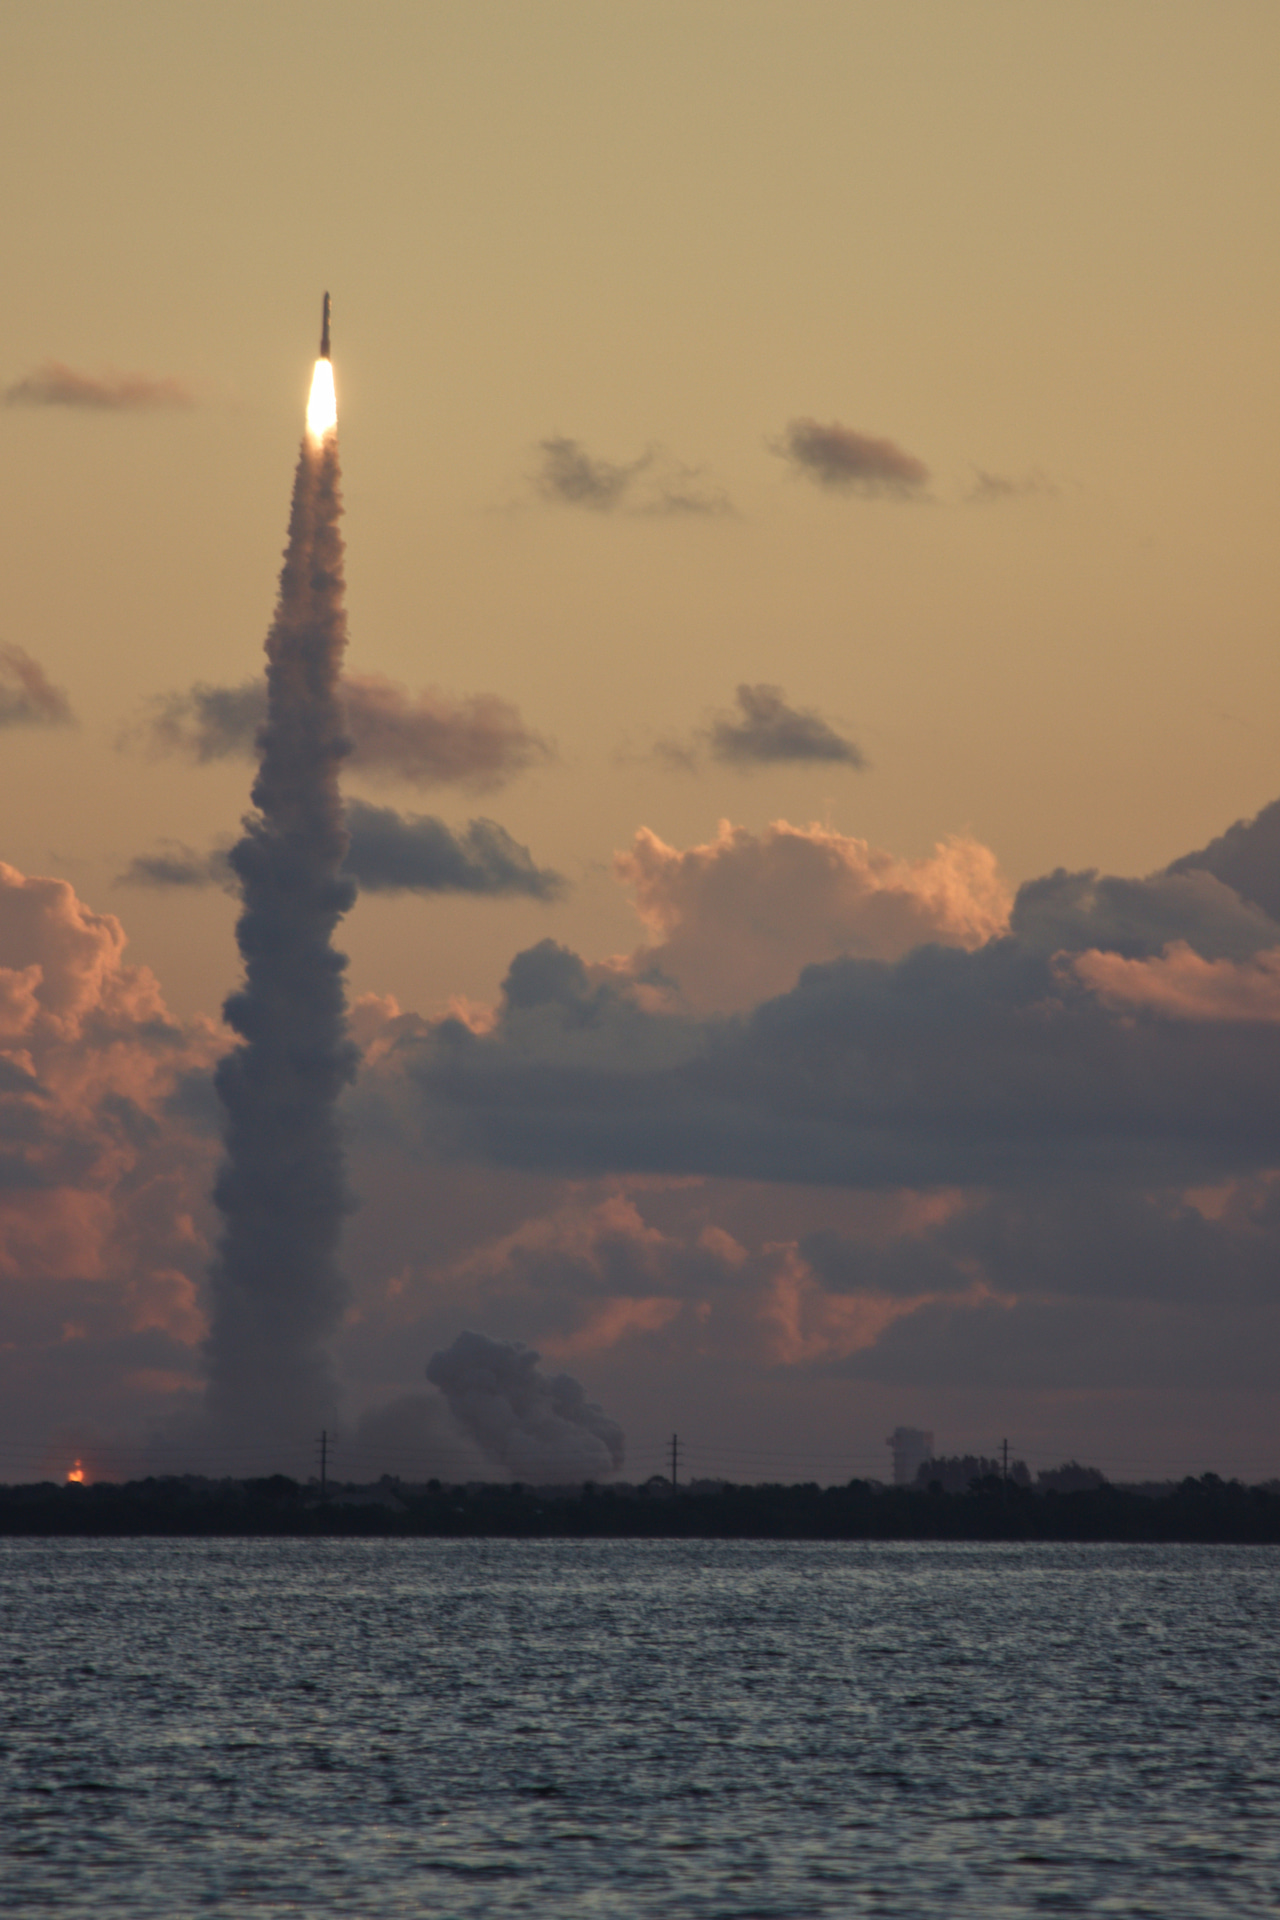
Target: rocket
{"points": [[324, 331]]}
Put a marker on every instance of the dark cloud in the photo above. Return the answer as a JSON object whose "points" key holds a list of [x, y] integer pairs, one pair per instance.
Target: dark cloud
{"points": [[766, 731], [1246, 857], [848, 462], [1057, 1345], [416, 853], [652, 485], [539, 1427], [387, 852], [996, 1067], [569, 474], [56, 385], [426, 739], [27, 696], [1073, 911], [1101, 1241]]}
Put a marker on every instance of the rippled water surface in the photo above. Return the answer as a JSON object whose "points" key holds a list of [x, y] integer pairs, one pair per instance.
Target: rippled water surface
{"points": [[633, 1729]]}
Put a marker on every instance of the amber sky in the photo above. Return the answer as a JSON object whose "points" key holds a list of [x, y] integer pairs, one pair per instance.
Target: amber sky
{"points": [[1034, 247]]}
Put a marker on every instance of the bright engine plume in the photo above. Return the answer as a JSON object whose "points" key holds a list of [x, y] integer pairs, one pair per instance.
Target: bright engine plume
{"points": [[277, 1290], [322, 406]]}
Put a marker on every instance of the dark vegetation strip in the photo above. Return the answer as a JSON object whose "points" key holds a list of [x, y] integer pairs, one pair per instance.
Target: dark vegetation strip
{"points": [[1206, 1510]]}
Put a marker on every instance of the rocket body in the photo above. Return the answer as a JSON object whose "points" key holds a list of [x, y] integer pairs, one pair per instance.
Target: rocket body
{"points": [[324, 331]]}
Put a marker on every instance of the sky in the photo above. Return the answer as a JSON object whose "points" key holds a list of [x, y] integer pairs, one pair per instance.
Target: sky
{"points": [[810, 476]]}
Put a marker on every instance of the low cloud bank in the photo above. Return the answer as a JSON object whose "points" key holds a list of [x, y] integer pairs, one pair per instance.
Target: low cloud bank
{"points": [[997, 1066], [842, 1119]]}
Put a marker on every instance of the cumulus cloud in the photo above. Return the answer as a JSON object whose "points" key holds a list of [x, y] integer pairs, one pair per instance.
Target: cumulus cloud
{"points": [[736, 919], [1075, 911], [540, 1427], [28, 697], [1246, 858], [388, 852], [1181, 985], [976, 1150], [477, 742], [653, 484], [885, 1133], [844, 461], [765, 731], [54, 384], [945, 1067], [103, 1175], [594, 1274]]}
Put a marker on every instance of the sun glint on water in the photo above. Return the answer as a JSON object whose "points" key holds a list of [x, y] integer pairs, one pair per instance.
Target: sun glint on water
{"points": [[322, 407]]}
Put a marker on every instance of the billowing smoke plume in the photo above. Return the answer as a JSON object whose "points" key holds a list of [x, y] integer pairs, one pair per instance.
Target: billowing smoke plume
{"points": [[541, 1428], [277, 1290]]}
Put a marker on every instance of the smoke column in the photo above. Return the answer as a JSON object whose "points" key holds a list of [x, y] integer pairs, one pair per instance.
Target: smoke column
{"points": [[277, 1290]]}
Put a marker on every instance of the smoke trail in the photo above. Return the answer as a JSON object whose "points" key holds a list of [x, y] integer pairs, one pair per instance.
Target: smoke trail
{"points": [[540, 1427], [277, 1291]]}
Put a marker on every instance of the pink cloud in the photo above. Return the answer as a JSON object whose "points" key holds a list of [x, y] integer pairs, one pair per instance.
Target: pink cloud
{"points": [[1180, 985], [806, 1323], [104, 1186], [735, 920], [614, 1322]]}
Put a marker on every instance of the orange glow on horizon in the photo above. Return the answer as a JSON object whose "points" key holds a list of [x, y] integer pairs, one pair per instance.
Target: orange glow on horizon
{"points": [[76, 1475], [322, 406]]}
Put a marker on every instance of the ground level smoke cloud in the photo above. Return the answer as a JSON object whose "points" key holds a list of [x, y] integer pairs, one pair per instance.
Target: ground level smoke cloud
{"points": [[540, 1427]]}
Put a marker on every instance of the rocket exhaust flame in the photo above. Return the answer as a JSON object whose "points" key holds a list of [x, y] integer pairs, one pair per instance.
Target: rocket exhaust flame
{"points": [[322, 405], [277, 1291]]}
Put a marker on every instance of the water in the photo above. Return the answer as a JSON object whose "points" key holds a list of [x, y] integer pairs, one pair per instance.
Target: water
{"points": [[609, 1728]]}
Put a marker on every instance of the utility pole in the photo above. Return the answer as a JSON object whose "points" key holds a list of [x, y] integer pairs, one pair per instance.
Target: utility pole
{"points": [[324, 1463], [1004, 1476], [675, 1454]]}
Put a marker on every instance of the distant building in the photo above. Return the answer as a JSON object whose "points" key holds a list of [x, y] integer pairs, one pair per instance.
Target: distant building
{"points": [[911, 1448], [958, 1472]]}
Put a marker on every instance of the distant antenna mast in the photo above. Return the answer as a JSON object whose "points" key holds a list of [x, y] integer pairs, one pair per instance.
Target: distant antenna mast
{"points": [[675, 1454]]}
